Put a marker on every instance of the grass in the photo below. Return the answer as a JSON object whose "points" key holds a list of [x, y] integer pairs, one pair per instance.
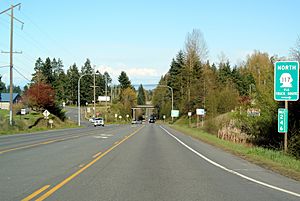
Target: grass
{"points": [[276, 161], [23, 122]]}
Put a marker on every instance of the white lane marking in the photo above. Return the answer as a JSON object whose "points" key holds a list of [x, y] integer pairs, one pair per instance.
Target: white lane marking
{"points": [[102, 137], [229, 170], [106, 135]]}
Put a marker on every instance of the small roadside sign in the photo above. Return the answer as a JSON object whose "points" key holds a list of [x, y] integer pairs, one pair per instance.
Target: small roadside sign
{"points": [[46, 113], [189, 114], [200, 111], [282, 120], [175, 113], [286, 81], [23, 111]]}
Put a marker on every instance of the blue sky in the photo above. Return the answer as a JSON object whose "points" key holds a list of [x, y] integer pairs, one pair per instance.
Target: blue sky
{"points": [[142, 37]]}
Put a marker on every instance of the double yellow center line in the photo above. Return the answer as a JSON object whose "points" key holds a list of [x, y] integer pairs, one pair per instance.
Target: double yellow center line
{"points": [[68, 179], [44, 143]]}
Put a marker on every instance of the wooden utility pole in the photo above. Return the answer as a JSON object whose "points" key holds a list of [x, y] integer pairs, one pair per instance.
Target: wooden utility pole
{"points": [[11, 66], [11, 52]]}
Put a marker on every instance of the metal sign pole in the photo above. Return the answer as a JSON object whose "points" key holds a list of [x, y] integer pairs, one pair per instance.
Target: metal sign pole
{"points": [[285, 134]]}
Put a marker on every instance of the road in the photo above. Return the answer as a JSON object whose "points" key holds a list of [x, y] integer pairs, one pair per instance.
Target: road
{"points": [[130, 162]]}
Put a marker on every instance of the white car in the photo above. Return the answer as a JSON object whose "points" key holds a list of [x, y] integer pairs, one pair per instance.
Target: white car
{"points": [[98, 122], [92, 120]]}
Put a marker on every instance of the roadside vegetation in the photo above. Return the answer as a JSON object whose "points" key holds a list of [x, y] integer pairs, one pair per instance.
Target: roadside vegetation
{"points": [[31, 122], [274, 160], [238, 99], [51, 88]]}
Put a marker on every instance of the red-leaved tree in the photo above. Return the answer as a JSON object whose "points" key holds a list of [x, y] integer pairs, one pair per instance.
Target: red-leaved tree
{"points": [[40, 96]]}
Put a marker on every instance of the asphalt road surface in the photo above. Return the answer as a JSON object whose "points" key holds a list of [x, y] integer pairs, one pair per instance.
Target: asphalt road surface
{"points": [[130, 162]]}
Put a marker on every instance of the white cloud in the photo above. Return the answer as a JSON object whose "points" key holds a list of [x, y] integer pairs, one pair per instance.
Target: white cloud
{"points": [[135, 74]]}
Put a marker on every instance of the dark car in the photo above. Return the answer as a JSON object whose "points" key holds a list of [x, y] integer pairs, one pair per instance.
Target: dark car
{"points": [[151, 120]]}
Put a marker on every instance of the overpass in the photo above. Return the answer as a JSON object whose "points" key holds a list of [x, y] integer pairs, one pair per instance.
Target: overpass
{"points": [[149, 110]]}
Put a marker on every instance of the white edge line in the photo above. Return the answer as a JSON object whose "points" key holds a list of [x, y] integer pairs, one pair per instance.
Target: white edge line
{"points": [[229, 170]]}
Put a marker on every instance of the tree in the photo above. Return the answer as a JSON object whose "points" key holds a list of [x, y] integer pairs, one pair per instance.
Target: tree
{"points": [[40, 96], [195, 54], [86, 92], [60, 86], [47, 71], [177, 79], [294, 112], [295, 51], [2, 86], [224, 73], [72, 83], [161, 98], [128, 100], [59, 79], [141, 98], [38, 75], [124, 81]]}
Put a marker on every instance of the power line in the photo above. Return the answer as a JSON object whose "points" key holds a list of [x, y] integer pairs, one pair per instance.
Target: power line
{"points": [[49, 37], [21, 74]]}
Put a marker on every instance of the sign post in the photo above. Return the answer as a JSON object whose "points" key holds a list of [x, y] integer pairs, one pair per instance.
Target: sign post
{"points": [[286, 88], [190, 118], [200, 112], [282, 120], [174, 113], [46, 113]]}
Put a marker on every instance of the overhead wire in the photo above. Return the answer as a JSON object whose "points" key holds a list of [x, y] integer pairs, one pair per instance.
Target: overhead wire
{"points": [[49, 37], [15, 69]]}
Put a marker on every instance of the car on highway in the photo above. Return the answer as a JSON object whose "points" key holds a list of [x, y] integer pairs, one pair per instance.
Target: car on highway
{"points": [[98, 122], [152, 120], [92, 120]]}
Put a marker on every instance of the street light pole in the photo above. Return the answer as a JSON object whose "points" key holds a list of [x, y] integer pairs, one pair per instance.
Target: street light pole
{"points": [[94, 93], [172, 95], [79, 97]]}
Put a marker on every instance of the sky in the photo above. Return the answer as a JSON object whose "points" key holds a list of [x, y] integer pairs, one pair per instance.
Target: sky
{"points": [[141, 37]]}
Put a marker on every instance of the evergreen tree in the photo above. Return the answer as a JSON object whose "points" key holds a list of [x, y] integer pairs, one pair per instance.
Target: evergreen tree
{"points": [[57, 67], [72, 83], [86, 91], [2, 86], [141, 98], [60, 87], [177, 78], [124, 81], [224, 73], [47, 71], [37, 76], [60, 79]]}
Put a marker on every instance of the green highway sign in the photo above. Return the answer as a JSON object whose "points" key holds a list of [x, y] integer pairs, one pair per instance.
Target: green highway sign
{"points": [[174, 113], [282, 120], [286, 81]]}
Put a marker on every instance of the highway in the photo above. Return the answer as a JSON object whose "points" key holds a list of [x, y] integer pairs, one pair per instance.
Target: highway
{"points": [[130, 162]]}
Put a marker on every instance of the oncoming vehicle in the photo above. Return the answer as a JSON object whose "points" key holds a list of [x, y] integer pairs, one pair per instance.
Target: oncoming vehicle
{"points": [[152, 120], [99, 122], [92, 120]]}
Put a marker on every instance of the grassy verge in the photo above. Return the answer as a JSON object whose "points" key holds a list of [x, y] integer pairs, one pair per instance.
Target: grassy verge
{"points": [[276, 161], [29, 123]]}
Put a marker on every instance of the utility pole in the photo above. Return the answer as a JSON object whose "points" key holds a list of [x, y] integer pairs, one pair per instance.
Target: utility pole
{"points": [[105, 97], [94, 93], [94, 86], [11, 52], [11, 66]]}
